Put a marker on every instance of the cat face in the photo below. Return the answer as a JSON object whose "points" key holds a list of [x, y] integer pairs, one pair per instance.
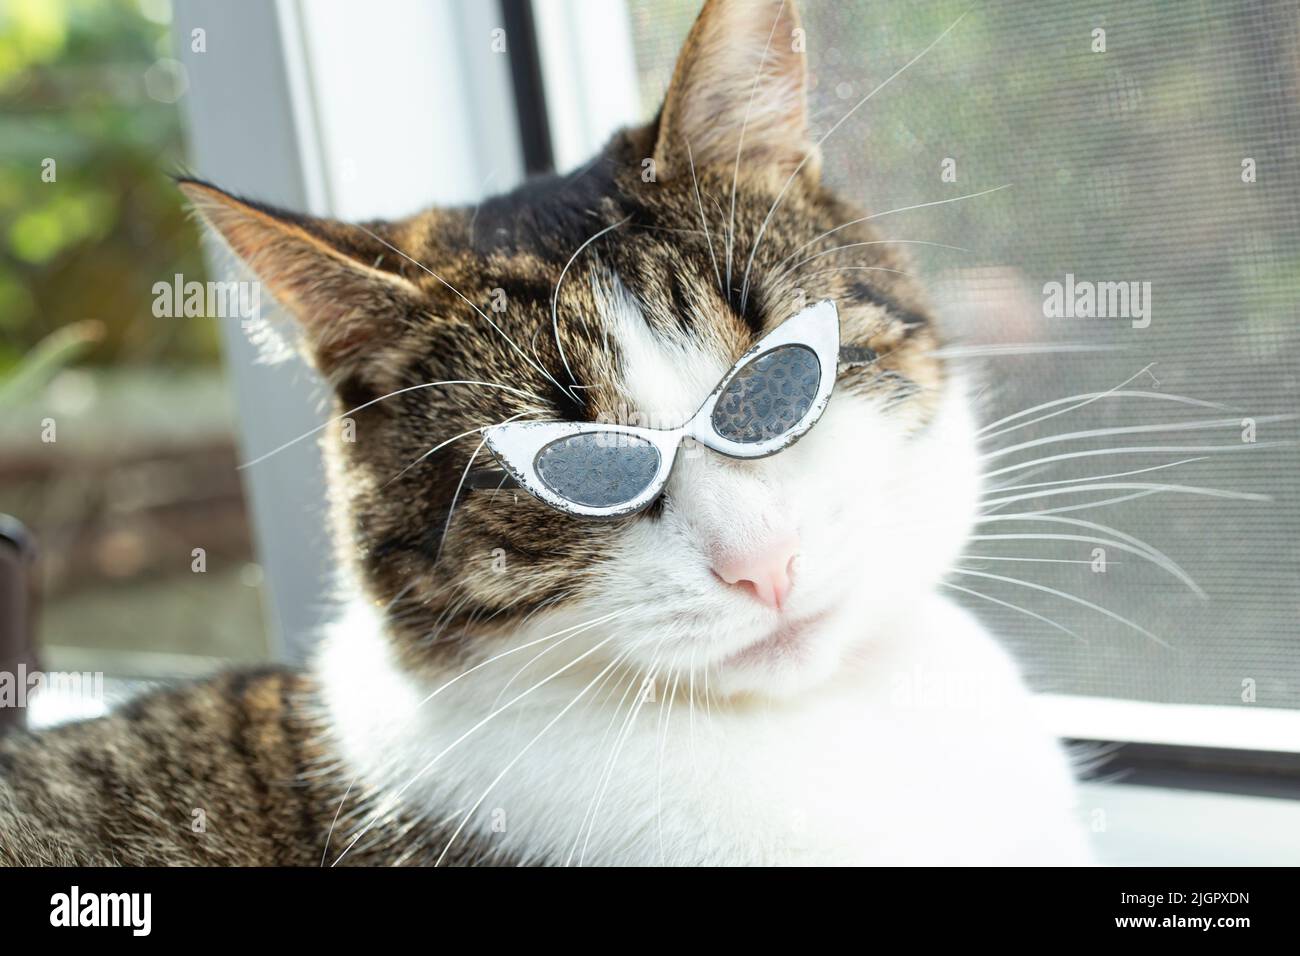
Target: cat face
{"points": [[624, 293]]}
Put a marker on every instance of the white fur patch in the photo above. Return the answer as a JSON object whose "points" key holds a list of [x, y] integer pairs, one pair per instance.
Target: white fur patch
{"points": [[665, 376], [922, 751]]}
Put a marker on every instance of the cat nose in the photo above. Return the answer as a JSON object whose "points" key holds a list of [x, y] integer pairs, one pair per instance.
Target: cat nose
{"points": [[764, 572]]}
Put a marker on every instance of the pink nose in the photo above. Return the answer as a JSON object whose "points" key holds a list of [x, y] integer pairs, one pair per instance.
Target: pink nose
{"points": [[765, 573]]}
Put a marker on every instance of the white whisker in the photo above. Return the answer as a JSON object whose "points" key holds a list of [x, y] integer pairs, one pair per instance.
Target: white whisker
{"points": [[870, 242], [826, 272], [1117, 474], [690, 706], [487, 318], [624, 733], [1133, 450], [445, 618], [1083, 523], [464, 736], [594, 802], [1002, 557], [375, 401], [1088, 398], [1159, 562], [659, 761], [451, 510], [878, 215], [576, 628], [1087, 505], [555, 300], [517, 757], [329, 836], [1015, 607], [1132, 430], [1132, 486], [740, 143], [1067, 596], [704, 222], [744, 288], [1019, 348], [441, 445]]}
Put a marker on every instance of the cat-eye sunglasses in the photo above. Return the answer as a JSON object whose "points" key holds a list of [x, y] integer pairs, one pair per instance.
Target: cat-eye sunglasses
{"points": [[767, 401]]}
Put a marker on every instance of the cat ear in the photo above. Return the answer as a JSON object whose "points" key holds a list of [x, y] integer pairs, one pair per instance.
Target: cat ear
{"points": [[323, 272], [739, 89]]}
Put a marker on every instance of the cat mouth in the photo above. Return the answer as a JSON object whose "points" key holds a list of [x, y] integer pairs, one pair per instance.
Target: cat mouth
{"points": [[786, 643]]}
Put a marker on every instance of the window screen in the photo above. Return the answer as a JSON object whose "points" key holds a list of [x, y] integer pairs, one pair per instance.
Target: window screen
{"points": [[1143, 142]]}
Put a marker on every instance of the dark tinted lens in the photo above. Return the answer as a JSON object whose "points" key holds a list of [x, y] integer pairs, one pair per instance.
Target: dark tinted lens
{"points": [[769, 396], [598, 469]]}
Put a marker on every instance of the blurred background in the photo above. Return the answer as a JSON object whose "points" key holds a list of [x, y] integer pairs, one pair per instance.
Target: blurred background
{"points": [[141, 468], [1121, 164]]}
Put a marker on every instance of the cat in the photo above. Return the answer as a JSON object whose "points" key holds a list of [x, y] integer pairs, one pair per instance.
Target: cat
{"points": [[756, 669]]}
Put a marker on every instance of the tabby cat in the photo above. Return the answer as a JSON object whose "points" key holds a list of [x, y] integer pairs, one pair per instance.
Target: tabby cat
{"points": [[736, 674]]}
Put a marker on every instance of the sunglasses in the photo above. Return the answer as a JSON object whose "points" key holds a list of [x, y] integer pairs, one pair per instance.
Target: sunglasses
{"points": [[766, 402]]}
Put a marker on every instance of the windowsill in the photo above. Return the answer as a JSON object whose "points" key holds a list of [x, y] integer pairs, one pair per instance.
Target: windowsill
{"points": [[1246, 727], [1156, 826], [52, 706]]}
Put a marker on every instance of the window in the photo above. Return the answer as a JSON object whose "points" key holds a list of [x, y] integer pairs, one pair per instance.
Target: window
{"points": [[116, 442]]}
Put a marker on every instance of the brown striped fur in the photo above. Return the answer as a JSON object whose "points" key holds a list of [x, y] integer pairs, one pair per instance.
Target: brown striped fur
{"points": [[242, 753]]}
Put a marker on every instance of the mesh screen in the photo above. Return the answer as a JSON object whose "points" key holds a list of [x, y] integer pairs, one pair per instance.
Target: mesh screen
{"points": [[1126, 165]]}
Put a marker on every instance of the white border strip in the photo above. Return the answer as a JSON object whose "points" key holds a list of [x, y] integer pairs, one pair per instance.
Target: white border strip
{"points": [[589, 72], [1248, 727], [297, 72]]}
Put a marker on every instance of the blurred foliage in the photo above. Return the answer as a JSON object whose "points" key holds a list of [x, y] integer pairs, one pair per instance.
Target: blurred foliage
{"points": [[91, 243], [144, 463], [52, 353]]}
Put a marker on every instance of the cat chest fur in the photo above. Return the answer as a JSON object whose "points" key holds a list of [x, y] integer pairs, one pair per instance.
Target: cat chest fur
{"points": [[864, 772]]}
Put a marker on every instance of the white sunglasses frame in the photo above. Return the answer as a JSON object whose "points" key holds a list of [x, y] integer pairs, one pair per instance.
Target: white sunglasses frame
{"points": [[516, 445]]}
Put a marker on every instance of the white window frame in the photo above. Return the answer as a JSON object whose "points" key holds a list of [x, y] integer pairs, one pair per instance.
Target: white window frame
{"points": [[589, 74], [1248, 727]]}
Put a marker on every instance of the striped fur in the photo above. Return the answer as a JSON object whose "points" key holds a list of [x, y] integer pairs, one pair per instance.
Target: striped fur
{"points": [[233, 771]]}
